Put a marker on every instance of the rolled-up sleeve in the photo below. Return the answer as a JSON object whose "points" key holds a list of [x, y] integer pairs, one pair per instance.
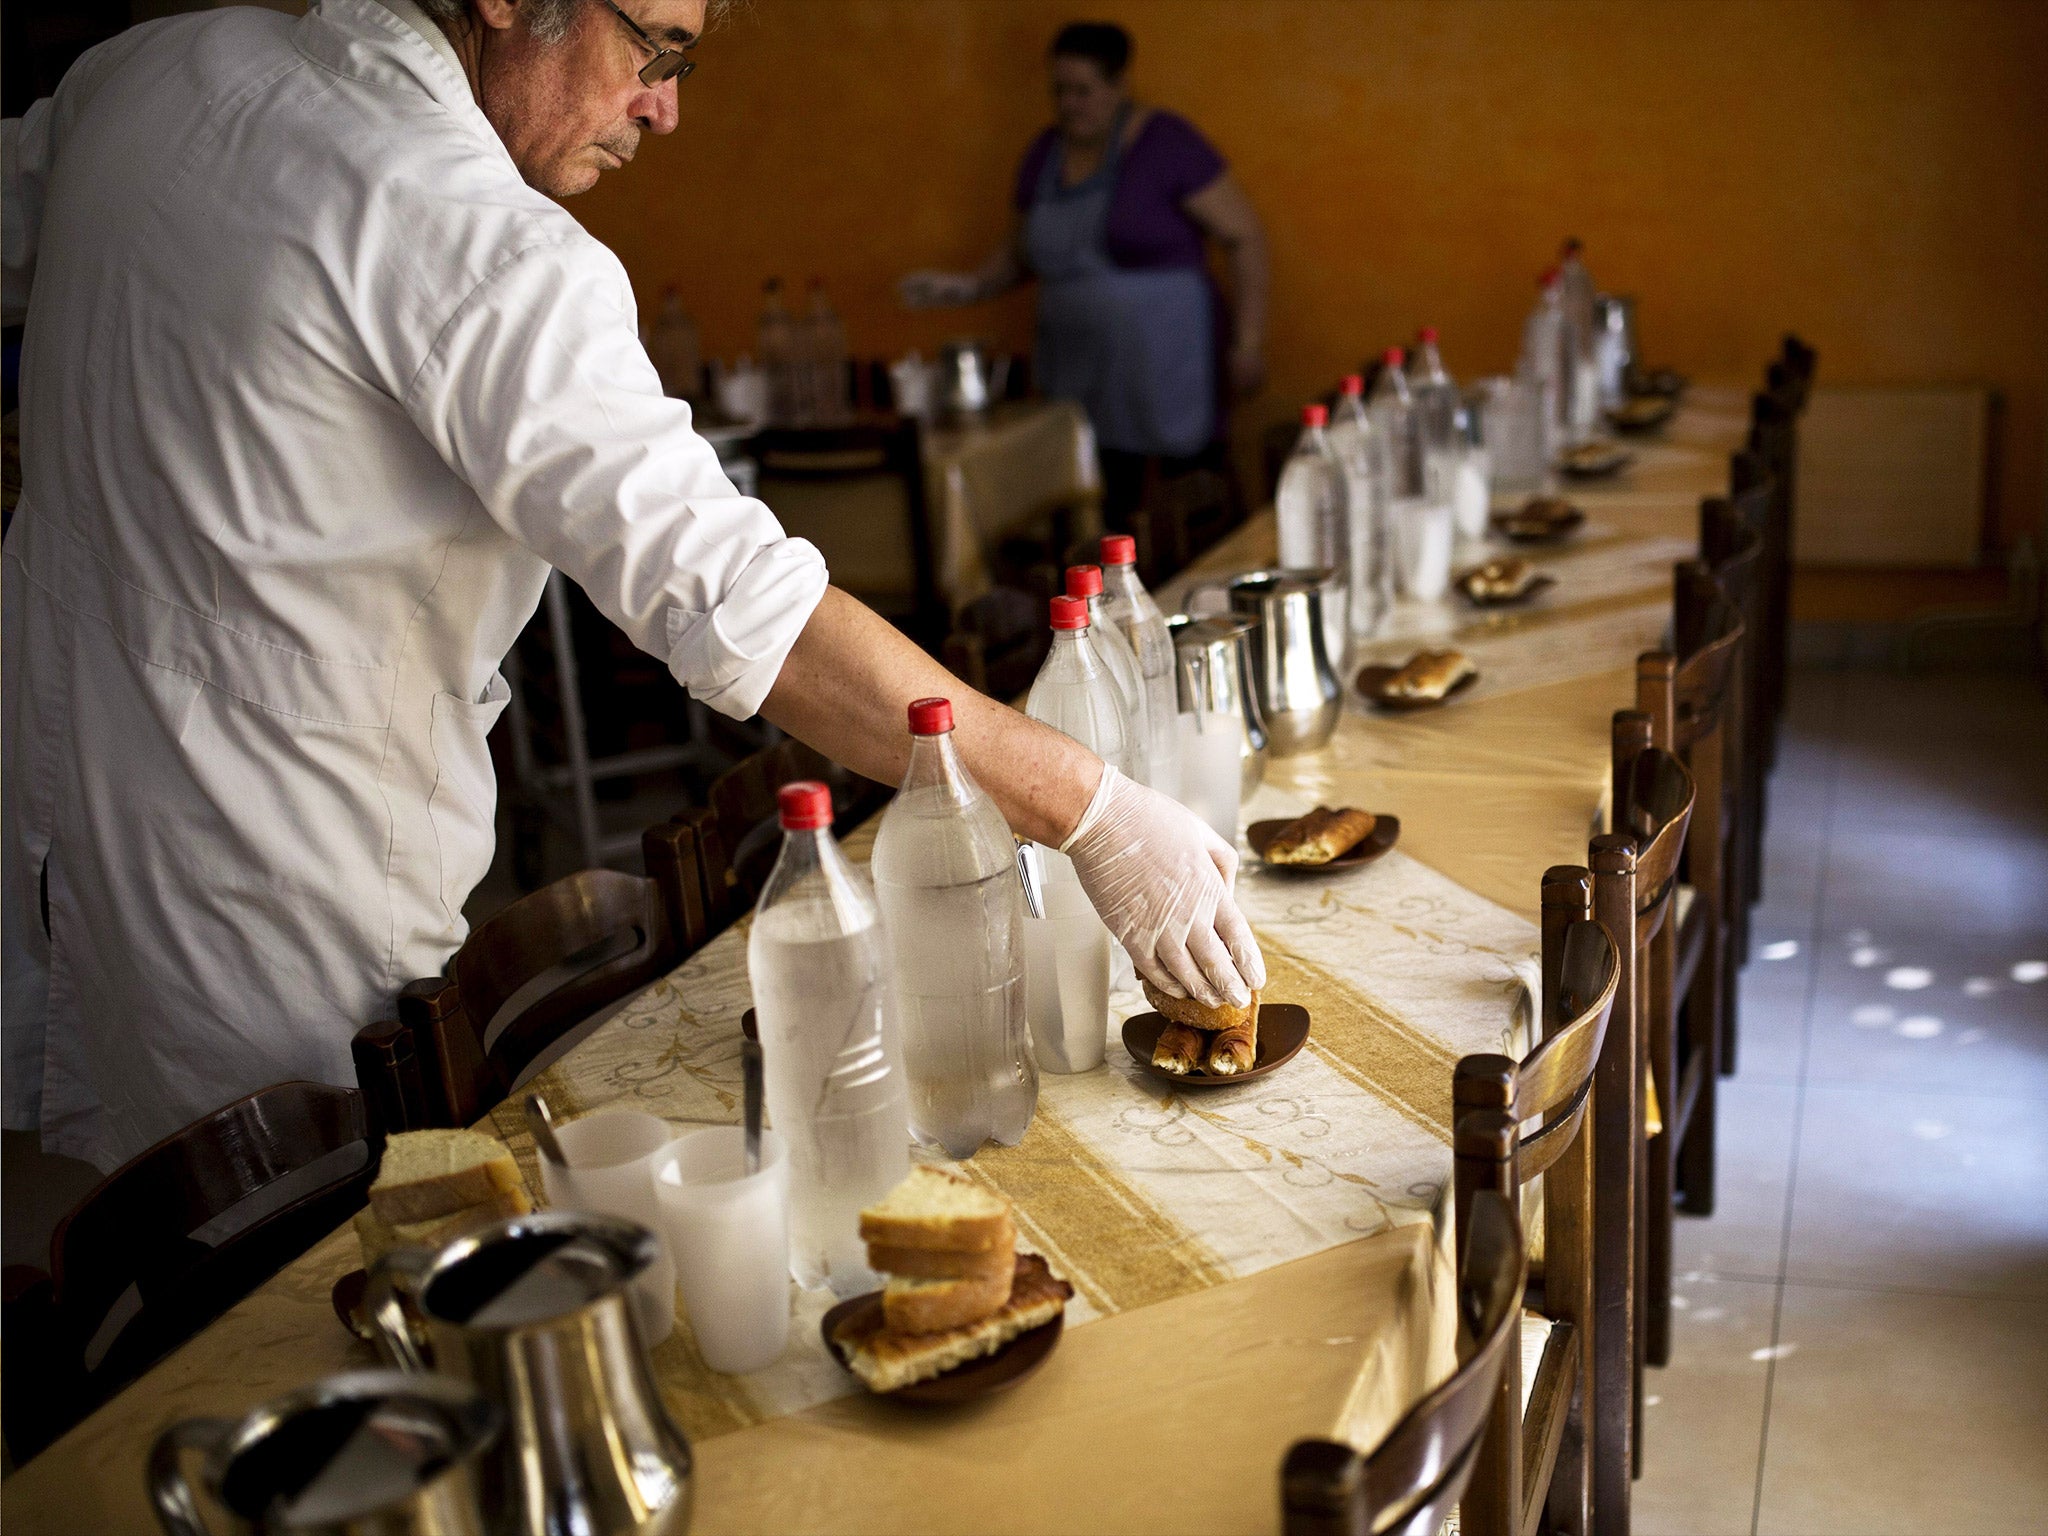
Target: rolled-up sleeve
{"points": [[538, 392]]}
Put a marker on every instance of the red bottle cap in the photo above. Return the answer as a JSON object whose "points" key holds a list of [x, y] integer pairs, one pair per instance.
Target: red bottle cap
{"points": [[931, 717], [1393, 357], [1545, 278], [1354, 384], [1069, 613], [1315, 415], [805, 805], [1119, 549], [1429, 335], [1084, 581]]}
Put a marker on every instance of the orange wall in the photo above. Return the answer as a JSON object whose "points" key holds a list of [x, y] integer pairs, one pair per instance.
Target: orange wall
{"points": [[1873, 173]]}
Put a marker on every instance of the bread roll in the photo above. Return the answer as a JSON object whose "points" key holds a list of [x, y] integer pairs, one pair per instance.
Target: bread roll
{"points": [[1180, 1049], [1236, 1049], [1320, 836], [1185, 1010], [1500, 579], [1429, 675]]}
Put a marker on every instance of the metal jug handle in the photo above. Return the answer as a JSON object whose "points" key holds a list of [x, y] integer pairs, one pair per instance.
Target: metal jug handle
{"points": [[176, 1509], [395, 1278]]}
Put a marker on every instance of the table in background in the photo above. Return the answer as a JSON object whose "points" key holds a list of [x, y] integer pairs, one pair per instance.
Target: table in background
{"points": [[1171, 1410], [992, 477]]}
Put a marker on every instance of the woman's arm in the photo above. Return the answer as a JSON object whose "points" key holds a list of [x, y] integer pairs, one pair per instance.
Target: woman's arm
{"points": [[995, 277], [1227, 217]]}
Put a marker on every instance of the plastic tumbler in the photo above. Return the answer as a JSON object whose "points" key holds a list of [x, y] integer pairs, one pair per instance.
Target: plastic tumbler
{"points": [[729, 1232], [612, 1156]]}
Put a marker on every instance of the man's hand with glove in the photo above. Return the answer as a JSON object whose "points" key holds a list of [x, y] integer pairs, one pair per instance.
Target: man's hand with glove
{"points": [[1160, 878]]}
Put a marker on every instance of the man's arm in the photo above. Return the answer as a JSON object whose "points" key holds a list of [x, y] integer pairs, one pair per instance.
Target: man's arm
{"points": [[846, 685]]}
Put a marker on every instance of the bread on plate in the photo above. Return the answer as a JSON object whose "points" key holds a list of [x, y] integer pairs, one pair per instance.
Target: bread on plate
{"points": [[936, 1209], [886, 1359], [425, 1174], [1320, 836], [1185, 1010]]}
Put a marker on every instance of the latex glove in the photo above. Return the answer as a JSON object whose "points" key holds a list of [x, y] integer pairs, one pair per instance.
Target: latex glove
{"points": [[1160, 879], [938, 290]]}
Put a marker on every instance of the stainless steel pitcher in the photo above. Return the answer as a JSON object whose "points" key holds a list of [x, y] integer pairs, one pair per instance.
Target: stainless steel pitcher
{"points": [[365, 1453], [1212, 671], [537, 1312], [1299, 696]]}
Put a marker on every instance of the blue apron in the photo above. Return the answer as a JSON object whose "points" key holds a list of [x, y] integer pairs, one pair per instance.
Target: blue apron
{"points": [[1134, 347]]}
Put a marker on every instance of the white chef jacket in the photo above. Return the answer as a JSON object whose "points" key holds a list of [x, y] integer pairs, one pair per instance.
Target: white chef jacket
{"points": [[314, 389]]}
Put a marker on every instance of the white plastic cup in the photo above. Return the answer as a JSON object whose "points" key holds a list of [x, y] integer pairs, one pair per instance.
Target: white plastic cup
{"points": [[1212, 769], [1422, 545], [729, 1231], [612, 1156]]}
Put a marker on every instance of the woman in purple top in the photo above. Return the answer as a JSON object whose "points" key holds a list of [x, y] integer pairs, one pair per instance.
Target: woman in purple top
{"points": [[1115, 204]]}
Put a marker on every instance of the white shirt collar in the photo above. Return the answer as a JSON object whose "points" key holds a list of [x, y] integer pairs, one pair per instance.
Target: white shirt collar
{"points": [[429, 29]]}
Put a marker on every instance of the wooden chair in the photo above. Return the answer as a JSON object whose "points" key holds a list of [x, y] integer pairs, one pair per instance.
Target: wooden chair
{"points": [[857, 492], [1180, 517], [1654, 797], [530, 977], [999, 641], [1410, 1483], [1773, 440], [1732, 547], [1535, 1464], [743, 804], [156, 1240]]}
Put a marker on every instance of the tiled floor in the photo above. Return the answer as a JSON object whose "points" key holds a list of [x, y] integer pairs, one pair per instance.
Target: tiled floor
{"points": [[1862, 1345]]}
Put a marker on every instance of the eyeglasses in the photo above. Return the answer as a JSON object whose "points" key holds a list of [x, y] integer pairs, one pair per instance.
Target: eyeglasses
{"points": [[667, 63]]}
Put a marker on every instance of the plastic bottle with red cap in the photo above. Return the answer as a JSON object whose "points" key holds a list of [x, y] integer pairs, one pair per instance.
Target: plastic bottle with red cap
{"points": [[1363, 453], [1114, 647], [1312, 507], [1544, 355], [818, 964], [1129, 608], [1067, 948], [946, 877]]}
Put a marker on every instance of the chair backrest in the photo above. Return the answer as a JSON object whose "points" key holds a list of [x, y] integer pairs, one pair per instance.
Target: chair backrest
{"points": [[162, 1226], [1526, 1463], [742, 800], [858, 493], [531, 975], [1653, 800], [1417, 1474], [999, 641]]}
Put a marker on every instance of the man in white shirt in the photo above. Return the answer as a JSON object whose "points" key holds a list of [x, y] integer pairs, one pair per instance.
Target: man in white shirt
{"points": [[317, 382]]}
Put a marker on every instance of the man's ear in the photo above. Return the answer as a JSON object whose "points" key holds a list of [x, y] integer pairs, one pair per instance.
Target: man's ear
{"points": [[498, 15]]}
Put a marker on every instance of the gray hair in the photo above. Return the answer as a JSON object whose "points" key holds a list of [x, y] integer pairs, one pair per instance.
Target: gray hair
{"points": [[547, 19]]}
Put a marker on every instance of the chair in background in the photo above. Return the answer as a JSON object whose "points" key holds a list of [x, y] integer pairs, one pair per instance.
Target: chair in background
{"points": [[1000, 640], [1773, 440], [1180, 517], [526, 981], [1410, 1483], [743, 804], [153, 1253], [1535, 1463], [1731, 546], [857, 492], [1654, 797]]}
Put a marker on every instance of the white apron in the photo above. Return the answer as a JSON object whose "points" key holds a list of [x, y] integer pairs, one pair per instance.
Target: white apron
{"points": [[314, 389]]}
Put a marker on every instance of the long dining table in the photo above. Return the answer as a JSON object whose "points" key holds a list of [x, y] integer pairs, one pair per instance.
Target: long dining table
{"points": [[1252, 1264]]}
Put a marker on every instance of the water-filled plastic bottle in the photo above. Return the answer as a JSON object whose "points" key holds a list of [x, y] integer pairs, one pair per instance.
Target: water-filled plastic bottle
{"points": [[1114, 646], [1067, 948], [1130, 609], [1577, 293], [825, 360], [1542, 365], [1312, 508], [818, 963], [1363, 452], [1418, 509], [945, 869], [673, 348], [776, 340]]}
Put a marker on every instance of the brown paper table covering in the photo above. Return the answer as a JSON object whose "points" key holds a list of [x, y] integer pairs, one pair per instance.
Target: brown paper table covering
{"points": [[983, 479], [1405, 965]]}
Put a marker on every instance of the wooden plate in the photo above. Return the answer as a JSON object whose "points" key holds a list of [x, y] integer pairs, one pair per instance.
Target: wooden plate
{"points": [[964, 1383], [1386, 831], [1283, 1031], [1552, 530], [1540, 582], [1595, 467], [348, 1296], [1371, 679]]}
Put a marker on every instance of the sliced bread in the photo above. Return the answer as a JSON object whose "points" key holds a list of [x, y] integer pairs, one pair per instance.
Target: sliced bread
{"points": [[933, 1306], [943, 1263], [378, 1236], [425, 1174], [885, 1360], [936, 1209]]}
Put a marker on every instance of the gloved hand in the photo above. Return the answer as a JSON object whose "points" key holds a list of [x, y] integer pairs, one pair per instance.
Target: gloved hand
{"points": [[1160, 879], [938, 290]]}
